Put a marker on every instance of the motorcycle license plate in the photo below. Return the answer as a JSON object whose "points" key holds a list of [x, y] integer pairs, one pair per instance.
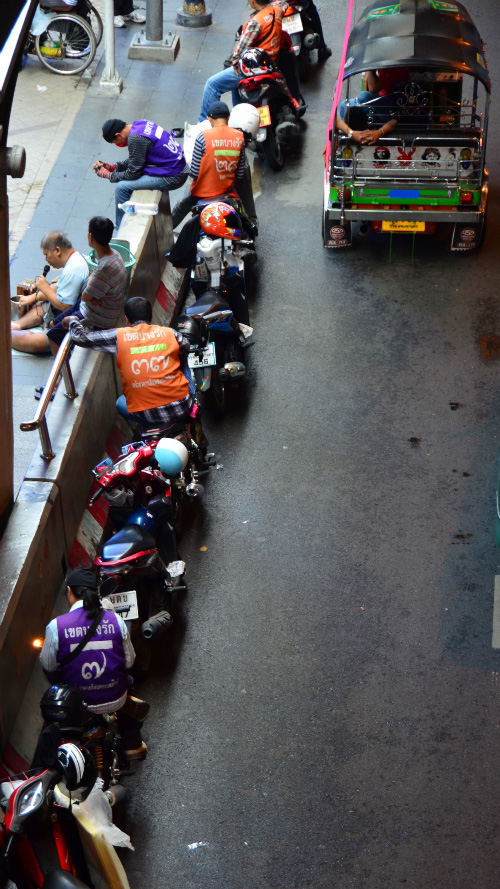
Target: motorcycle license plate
{"points": [[205, 359], [293, 24], [128, 599], [265, 116], [395, 226]]}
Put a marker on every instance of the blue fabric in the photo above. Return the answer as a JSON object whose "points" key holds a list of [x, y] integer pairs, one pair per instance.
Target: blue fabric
{"points": [[124, 189], [217, 85]]}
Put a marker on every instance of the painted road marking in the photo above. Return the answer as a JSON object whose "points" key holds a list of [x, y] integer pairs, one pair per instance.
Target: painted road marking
{"points": [[495, 641]]}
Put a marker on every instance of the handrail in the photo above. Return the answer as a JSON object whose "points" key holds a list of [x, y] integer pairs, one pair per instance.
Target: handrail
{"points": [[60, 367]]}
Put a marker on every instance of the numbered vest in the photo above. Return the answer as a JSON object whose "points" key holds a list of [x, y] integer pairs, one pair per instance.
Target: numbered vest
{"points": [[150, 368], [270, 20], [223, 147], [165, 157], [99, 669]]}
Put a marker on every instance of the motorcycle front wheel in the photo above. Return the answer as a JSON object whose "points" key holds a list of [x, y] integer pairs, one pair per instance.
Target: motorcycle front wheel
{"points": [[273, 150]]}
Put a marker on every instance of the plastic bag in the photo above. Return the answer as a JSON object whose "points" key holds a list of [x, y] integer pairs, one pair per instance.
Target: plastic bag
{"points": [[40, 21], [97, 811]]}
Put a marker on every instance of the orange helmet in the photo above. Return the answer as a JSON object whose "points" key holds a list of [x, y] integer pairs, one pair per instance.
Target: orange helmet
{"points": [[221, 220]]}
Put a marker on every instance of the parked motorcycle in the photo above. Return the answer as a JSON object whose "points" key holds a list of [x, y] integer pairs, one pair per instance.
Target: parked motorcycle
{"points": [[217, 323], [297, 24], [264, 86], [42, 842], [68, 719], [139, 566]]}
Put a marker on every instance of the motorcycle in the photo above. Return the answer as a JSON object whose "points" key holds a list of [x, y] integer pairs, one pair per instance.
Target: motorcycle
{"points": [[304, 39], [217, 322], [264, 87], [139, 566], [64, 707], [44, 841]]}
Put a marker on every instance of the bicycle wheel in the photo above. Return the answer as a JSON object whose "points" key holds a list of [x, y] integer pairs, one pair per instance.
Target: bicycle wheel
{"points": [[67, 46], [91, 15]]}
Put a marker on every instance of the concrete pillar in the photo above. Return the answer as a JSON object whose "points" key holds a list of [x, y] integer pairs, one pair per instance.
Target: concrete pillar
{"points": [[194, 14], [6, 439]]}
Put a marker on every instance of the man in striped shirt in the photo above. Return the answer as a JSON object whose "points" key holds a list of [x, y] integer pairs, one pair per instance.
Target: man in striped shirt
{"points": [[101, 302]]}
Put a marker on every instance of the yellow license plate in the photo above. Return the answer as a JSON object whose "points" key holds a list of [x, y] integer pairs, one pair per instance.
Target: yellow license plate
{"points": [[395, 226], [265, 116]]}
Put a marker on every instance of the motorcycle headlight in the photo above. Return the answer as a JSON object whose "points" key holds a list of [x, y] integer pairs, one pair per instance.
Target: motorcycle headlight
{"points": [[30, 799]]}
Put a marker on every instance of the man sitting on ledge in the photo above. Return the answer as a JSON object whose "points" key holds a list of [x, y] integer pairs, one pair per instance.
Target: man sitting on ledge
{"points": [[152, 361]]}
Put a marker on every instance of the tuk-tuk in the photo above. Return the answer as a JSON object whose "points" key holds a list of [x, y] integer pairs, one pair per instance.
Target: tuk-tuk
{"points": [[427, 165]]}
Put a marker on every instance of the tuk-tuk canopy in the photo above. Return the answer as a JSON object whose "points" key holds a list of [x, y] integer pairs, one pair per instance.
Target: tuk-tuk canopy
{"points": [[417, 34]]}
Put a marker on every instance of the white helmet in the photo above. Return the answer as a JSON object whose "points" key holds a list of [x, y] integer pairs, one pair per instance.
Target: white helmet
{"points": [[172, 455], [245, 117]]}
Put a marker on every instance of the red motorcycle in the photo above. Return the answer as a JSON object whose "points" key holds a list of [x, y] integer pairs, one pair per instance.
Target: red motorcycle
{"points": [[40, 844], [264, 86]]}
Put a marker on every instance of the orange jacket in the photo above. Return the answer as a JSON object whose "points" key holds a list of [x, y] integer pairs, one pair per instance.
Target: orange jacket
{"points": [[223, 147], [149, 365], [270, 20]]}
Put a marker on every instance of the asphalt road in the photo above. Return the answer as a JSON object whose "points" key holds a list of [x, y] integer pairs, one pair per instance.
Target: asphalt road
{"points": [[326, 713]]}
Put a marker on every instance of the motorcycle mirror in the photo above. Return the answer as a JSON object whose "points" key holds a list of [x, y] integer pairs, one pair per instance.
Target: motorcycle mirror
{"points": [[108, 587]]}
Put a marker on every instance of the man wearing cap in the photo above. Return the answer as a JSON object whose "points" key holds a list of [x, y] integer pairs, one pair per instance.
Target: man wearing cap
{"points": [[99, 667], [262, 31], [152, 361], [218, 163], [155, 160]]}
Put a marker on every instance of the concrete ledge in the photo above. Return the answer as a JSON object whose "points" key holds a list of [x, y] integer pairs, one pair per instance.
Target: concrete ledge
{"points": [[36, 546]]}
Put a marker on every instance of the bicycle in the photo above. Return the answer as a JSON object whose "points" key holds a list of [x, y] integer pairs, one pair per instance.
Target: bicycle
{"points": [[67, 45]]}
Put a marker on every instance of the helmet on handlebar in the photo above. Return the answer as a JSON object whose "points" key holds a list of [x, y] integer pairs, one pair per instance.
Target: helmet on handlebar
{"points": [[64, 705], [77, 766], [194, 329], [221, 220], [254, 62], [245, 117], [171, 455]]}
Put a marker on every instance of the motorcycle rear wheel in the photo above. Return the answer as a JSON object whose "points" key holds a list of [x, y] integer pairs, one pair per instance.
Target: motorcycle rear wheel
{"points": [[273, 150], [219, 392]]}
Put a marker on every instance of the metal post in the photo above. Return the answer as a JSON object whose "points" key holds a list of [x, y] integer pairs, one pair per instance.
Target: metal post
{"points": [[194, 14], [152, 44], [154, 19], [110, 80]]}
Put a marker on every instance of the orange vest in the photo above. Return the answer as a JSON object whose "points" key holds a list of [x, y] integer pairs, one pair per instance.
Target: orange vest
{"points": [[149, 365], [270, 20], [223, 147]]}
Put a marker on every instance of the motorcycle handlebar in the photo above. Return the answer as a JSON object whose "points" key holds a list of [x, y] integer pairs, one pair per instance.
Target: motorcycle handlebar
{"points": [[95, 496]]}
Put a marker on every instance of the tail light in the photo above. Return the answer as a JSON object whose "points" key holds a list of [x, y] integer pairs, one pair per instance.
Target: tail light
{"points": [[376, 226], [289, 11], [466, 197]]}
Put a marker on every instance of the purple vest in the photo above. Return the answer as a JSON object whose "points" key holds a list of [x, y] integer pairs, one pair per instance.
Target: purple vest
{"points": [[99, 670], [165, 157]]}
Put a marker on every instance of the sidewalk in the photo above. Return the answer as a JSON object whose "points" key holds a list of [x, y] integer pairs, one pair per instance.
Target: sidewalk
{"points": [[60, 128]]}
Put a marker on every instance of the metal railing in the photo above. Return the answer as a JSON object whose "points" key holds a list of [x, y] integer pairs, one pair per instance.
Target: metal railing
{"points": [[60, 367]]}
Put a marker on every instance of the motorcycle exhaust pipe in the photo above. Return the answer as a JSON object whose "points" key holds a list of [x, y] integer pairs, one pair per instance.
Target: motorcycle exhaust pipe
{"points": [[311, 41], [156, 624], [194, 489], [234, 370], [286, 131]]}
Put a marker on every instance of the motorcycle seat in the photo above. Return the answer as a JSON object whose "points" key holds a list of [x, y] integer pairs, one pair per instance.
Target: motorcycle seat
{"points": [[128, 541], [207, 303]]}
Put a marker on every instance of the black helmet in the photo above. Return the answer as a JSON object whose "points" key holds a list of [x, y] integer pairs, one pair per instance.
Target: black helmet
{"points": [[194, 329], [64, 705], [77, 767], [254, 62]]}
